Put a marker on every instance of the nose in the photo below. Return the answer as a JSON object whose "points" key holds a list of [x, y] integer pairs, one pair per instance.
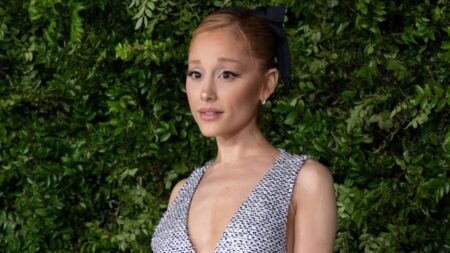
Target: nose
{"points": [[208, 93]]}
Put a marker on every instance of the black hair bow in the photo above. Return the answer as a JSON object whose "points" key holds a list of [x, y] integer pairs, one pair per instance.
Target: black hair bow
{"points": [[274, 16]]}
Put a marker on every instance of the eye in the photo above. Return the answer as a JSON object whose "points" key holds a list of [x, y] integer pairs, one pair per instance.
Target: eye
{"points": [[194, 74], [228, 75]]}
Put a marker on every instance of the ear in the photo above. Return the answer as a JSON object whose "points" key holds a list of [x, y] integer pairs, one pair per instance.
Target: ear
{"points": [[270, 83]]}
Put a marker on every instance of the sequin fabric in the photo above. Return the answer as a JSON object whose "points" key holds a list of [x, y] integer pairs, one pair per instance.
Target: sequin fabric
{"points": [[259, 225]]}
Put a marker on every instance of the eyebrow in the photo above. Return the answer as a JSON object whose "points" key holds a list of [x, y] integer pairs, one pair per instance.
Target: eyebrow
{"points": [[195, 61], [221, 59]]}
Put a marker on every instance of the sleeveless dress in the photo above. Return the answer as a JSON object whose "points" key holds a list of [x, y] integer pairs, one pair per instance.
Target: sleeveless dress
{"points": [[259, 224]]}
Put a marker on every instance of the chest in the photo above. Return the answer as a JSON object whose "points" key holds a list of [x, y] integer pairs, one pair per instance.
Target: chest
{"points": [[253, 203], [248, 218], [219, 195], [216, 204]]}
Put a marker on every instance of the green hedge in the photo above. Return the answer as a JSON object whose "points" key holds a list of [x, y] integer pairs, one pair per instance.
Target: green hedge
{"points": [[95, 128]]}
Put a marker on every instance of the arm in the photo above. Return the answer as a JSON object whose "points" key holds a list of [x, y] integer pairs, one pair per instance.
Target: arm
{"points": [[315, 210], [176, 189]]}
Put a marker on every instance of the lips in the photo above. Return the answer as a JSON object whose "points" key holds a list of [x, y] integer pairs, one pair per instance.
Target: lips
{"points": [[210, 114]]}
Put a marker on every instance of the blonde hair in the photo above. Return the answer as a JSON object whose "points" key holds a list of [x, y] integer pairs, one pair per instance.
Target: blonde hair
{"points": [[254, 32]]}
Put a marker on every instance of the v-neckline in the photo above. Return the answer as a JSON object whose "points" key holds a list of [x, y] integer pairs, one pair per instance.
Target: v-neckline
{"points": [[238, 210]]}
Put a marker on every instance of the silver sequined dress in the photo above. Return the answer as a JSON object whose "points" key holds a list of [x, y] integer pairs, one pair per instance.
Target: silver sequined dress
{"points": [[259, 225]]}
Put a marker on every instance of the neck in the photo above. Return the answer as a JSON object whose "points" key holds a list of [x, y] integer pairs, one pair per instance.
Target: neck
{"points": [[249, 142]]}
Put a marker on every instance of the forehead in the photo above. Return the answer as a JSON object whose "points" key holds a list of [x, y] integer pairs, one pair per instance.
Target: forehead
{"points": [[219, 43]]}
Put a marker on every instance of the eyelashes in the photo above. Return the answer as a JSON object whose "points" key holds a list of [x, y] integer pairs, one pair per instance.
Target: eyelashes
{"points": [[194, 74], [226, 74], [229, 75]]}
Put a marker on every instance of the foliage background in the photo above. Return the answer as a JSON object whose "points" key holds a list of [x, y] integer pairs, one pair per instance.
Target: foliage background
{"points": [[95, 127]]}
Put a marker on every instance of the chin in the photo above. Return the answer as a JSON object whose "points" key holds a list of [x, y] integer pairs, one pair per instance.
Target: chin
{"points": [[214, 130], [210, 129], [208, 132]]}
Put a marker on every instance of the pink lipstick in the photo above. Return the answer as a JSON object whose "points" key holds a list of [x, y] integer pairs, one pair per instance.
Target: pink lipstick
{"points": [[209, 114]]}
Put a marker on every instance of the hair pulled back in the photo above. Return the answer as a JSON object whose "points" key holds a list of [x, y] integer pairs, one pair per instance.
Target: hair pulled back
{"points": [[255, 33]]}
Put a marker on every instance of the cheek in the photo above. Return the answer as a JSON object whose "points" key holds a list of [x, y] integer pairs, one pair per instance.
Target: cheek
{"points": [[244, 100]]}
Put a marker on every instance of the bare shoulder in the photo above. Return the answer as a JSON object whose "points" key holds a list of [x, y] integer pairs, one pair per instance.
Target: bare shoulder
{"points": [[314, 174], [315, 213], [176, 189], [313, 180]]}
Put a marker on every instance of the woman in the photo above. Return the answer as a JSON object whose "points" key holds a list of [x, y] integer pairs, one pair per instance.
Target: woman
{"points": [[252, 197]]}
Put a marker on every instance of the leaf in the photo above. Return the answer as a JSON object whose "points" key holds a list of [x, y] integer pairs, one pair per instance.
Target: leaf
{"points": [[41, 212], [140, 13], [139, 23], [76, 31]]}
